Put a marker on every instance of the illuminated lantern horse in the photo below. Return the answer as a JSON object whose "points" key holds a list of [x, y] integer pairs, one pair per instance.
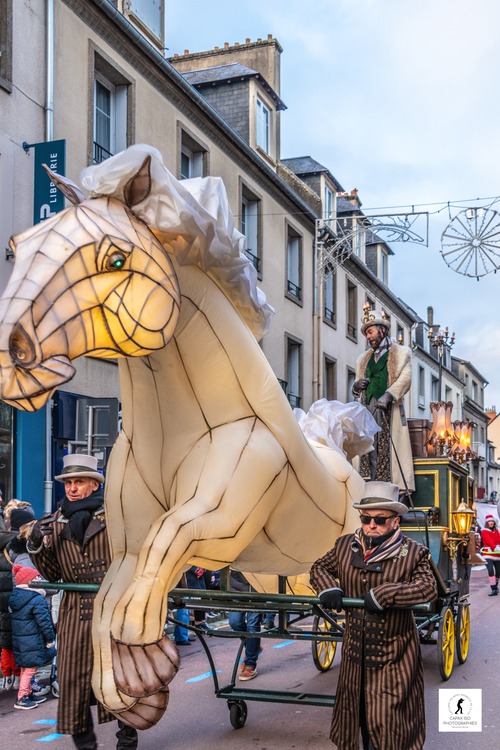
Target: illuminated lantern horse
{"points": [[211, 467]]}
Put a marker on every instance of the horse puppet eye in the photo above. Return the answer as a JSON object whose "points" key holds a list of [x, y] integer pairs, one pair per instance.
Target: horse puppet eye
{"points": [[116, 261], [112, 253]]}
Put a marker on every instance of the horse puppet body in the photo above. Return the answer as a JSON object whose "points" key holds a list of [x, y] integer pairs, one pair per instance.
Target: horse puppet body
{"points": [[211, 467]]}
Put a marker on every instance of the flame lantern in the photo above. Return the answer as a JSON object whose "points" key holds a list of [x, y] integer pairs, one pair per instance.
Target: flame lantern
{"points": [[462, 519], [442, 434], [462, 450]]}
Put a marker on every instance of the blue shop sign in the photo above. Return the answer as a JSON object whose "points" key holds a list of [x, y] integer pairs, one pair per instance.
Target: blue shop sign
{"points": [[47, 199]]}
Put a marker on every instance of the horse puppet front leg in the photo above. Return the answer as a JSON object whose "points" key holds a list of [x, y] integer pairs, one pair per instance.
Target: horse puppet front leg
{"points": [[223, 494]]}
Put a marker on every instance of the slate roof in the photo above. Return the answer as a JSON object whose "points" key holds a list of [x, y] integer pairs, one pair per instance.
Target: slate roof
{"points": [[231, 72], [304, 165]]}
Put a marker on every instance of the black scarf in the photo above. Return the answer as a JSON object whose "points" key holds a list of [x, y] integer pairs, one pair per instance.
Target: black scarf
{"points": [[79, 513]]}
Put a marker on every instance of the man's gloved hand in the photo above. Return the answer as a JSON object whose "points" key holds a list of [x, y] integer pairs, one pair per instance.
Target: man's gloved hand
{"points": [[371, 605], [359, 385], [384, 401], [332, 599], [40, 529]]}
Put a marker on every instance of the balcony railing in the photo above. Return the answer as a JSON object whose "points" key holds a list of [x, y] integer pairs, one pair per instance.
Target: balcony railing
{"points": [[293, 289], [294, 401], [254, 258], [283, 384], [100, 153], [351, 330], [329, 315]]}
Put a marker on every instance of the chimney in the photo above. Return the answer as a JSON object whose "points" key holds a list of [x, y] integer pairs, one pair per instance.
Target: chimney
{"points": [[186, 52], [430, 316], [226, 45]]}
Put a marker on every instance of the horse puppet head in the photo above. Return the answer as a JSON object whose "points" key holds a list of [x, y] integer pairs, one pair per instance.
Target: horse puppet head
{"points": [[93, 279]]}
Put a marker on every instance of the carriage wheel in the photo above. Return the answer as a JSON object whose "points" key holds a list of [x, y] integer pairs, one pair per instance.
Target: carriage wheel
{"points": [[238, 713], [463, 632], [446, 643], [323, 652]]}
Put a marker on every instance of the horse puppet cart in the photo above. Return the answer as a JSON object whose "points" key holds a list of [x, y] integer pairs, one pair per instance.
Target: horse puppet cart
{"points": [[443, 496]]}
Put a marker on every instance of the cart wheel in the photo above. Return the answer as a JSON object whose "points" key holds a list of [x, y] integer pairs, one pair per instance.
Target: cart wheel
{"points": [[446, 643], [238, 713], [463, 632], [323, 652]]}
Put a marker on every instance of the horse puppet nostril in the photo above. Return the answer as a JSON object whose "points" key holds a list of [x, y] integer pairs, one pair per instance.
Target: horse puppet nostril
{"points": [[21, 347]]}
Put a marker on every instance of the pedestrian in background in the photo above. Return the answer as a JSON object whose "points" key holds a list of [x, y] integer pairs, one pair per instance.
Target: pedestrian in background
{"points": [[17, 514], [490, 538], [33, 636], [247, 622], [381, 682], [72, 546]]}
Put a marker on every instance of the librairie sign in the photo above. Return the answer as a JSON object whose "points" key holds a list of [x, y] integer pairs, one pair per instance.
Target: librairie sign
{"points": [[47, 199]]}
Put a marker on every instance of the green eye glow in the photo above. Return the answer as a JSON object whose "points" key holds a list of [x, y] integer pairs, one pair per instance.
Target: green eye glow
{"points": [[116, 261]]}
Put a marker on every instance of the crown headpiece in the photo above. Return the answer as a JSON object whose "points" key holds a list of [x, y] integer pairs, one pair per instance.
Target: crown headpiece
{"points": [[374, 318]]}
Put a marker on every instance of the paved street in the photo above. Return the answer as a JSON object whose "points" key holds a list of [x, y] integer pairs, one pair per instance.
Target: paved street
{"points": [[197, 719]]}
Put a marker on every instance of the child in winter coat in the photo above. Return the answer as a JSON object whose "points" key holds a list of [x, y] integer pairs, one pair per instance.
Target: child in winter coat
{"points": [[33, 634]]}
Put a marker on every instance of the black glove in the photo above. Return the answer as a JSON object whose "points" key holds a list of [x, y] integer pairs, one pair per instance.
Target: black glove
{"points": [[359, 385], [384, 401], [371, 605], [40, 529], [332, 599]]}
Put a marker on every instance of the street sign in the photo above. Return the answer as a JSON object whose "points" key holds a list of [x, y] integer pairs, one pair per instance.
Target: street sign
{"points": [[47, 199]]}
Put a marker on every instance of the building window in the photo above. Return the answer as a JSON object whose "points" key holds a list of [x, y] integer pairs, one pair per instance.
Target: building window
{"points": [[352, 309], [6, 450], [330, 379], [328, 203], [193, 157], [474, 392], [421, 387], [434, 389], [150, 15], [263, 126], [330, 296], [358, 239], [6, 45], [111, 110], [293, 370], [384, 267], [250, 227], [351, 377], [294, 265]]}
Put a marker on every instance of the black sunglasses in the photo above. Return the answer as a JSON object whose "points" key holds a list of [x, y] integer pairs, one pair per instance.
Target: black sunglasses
{"points": [[379, 520]]}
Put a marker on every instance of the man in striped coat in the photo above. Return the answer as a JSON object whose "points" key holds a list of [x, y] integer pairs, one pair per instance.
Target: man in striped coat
{"points": [[381, 687], [72, 546]]}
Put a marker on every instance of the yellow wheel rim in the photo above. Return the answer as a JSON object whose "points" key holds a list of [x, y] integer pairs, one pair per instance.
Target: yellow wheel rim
{"points": [[447, 644], [463, 633], [323, 651]]}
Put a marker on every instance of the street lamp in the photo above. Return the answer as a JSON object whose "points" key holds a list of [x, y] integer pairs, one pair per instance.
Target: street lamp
{"points": [[439, 340]]}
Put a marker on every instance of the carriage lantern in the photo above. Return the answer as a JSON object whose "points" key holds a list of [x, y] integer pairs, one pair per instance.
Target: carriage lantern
{"points": [[462, 521], [442, 435]]}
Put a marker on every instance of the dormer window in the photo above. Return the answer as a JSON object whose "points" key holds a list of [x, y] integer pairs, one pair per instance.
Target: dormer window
{"points": [[263, 125], [384, 267]]}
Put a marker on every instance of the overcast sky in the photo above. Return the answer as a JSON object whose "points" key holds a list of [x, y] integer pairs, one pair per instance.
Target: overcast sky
{"points": [[399, 99]]}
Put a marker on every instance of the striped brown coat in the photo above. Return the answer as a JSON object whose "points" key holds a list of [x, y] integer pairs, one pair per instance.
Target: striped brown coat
{"points": [[380, 653], [64, 560]]}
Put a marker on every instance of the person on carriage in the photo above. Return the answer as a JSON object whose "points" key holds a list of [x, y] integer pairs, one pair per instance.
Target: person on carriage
{"points": [[490, 538], [381, 686], [72, 546], [383, 377]]}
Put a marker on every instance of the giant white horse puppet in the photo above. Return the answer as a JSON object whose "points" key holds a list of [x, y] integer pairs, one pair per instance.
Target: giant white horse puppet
{"points": [[211, 467]]}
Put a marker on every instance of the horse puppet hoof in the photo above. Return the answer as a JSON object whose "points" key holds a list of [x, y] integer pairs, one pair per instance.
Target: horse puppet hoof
{"points": [[145, 712], [144, 669]]}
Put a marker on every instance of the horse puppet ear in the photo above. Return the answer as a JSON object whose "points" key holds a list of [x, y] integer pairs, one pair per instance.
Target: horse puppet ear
{"points": [[139, 186], [68, 188]]}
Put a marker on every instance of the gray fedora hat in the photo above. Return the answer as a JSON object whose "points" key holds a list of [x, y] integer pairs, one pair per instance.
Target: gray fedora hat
{"points": [[79, 465], [381, 496]]}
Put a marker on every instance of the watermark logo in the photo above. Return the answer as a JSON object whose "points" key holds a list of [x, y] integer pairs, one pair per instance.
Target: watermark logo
{"points": [[460, 711]]}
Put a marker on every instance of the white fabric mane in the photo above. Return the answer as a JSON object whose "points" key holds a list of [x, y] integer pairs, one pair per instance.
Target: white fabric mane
{"points": [[194, 217]]}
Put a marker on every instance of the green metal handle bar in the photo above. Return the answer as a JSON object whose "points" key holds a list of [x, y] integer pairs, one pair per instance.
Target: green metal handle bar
{"points": [[254, 600]]}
